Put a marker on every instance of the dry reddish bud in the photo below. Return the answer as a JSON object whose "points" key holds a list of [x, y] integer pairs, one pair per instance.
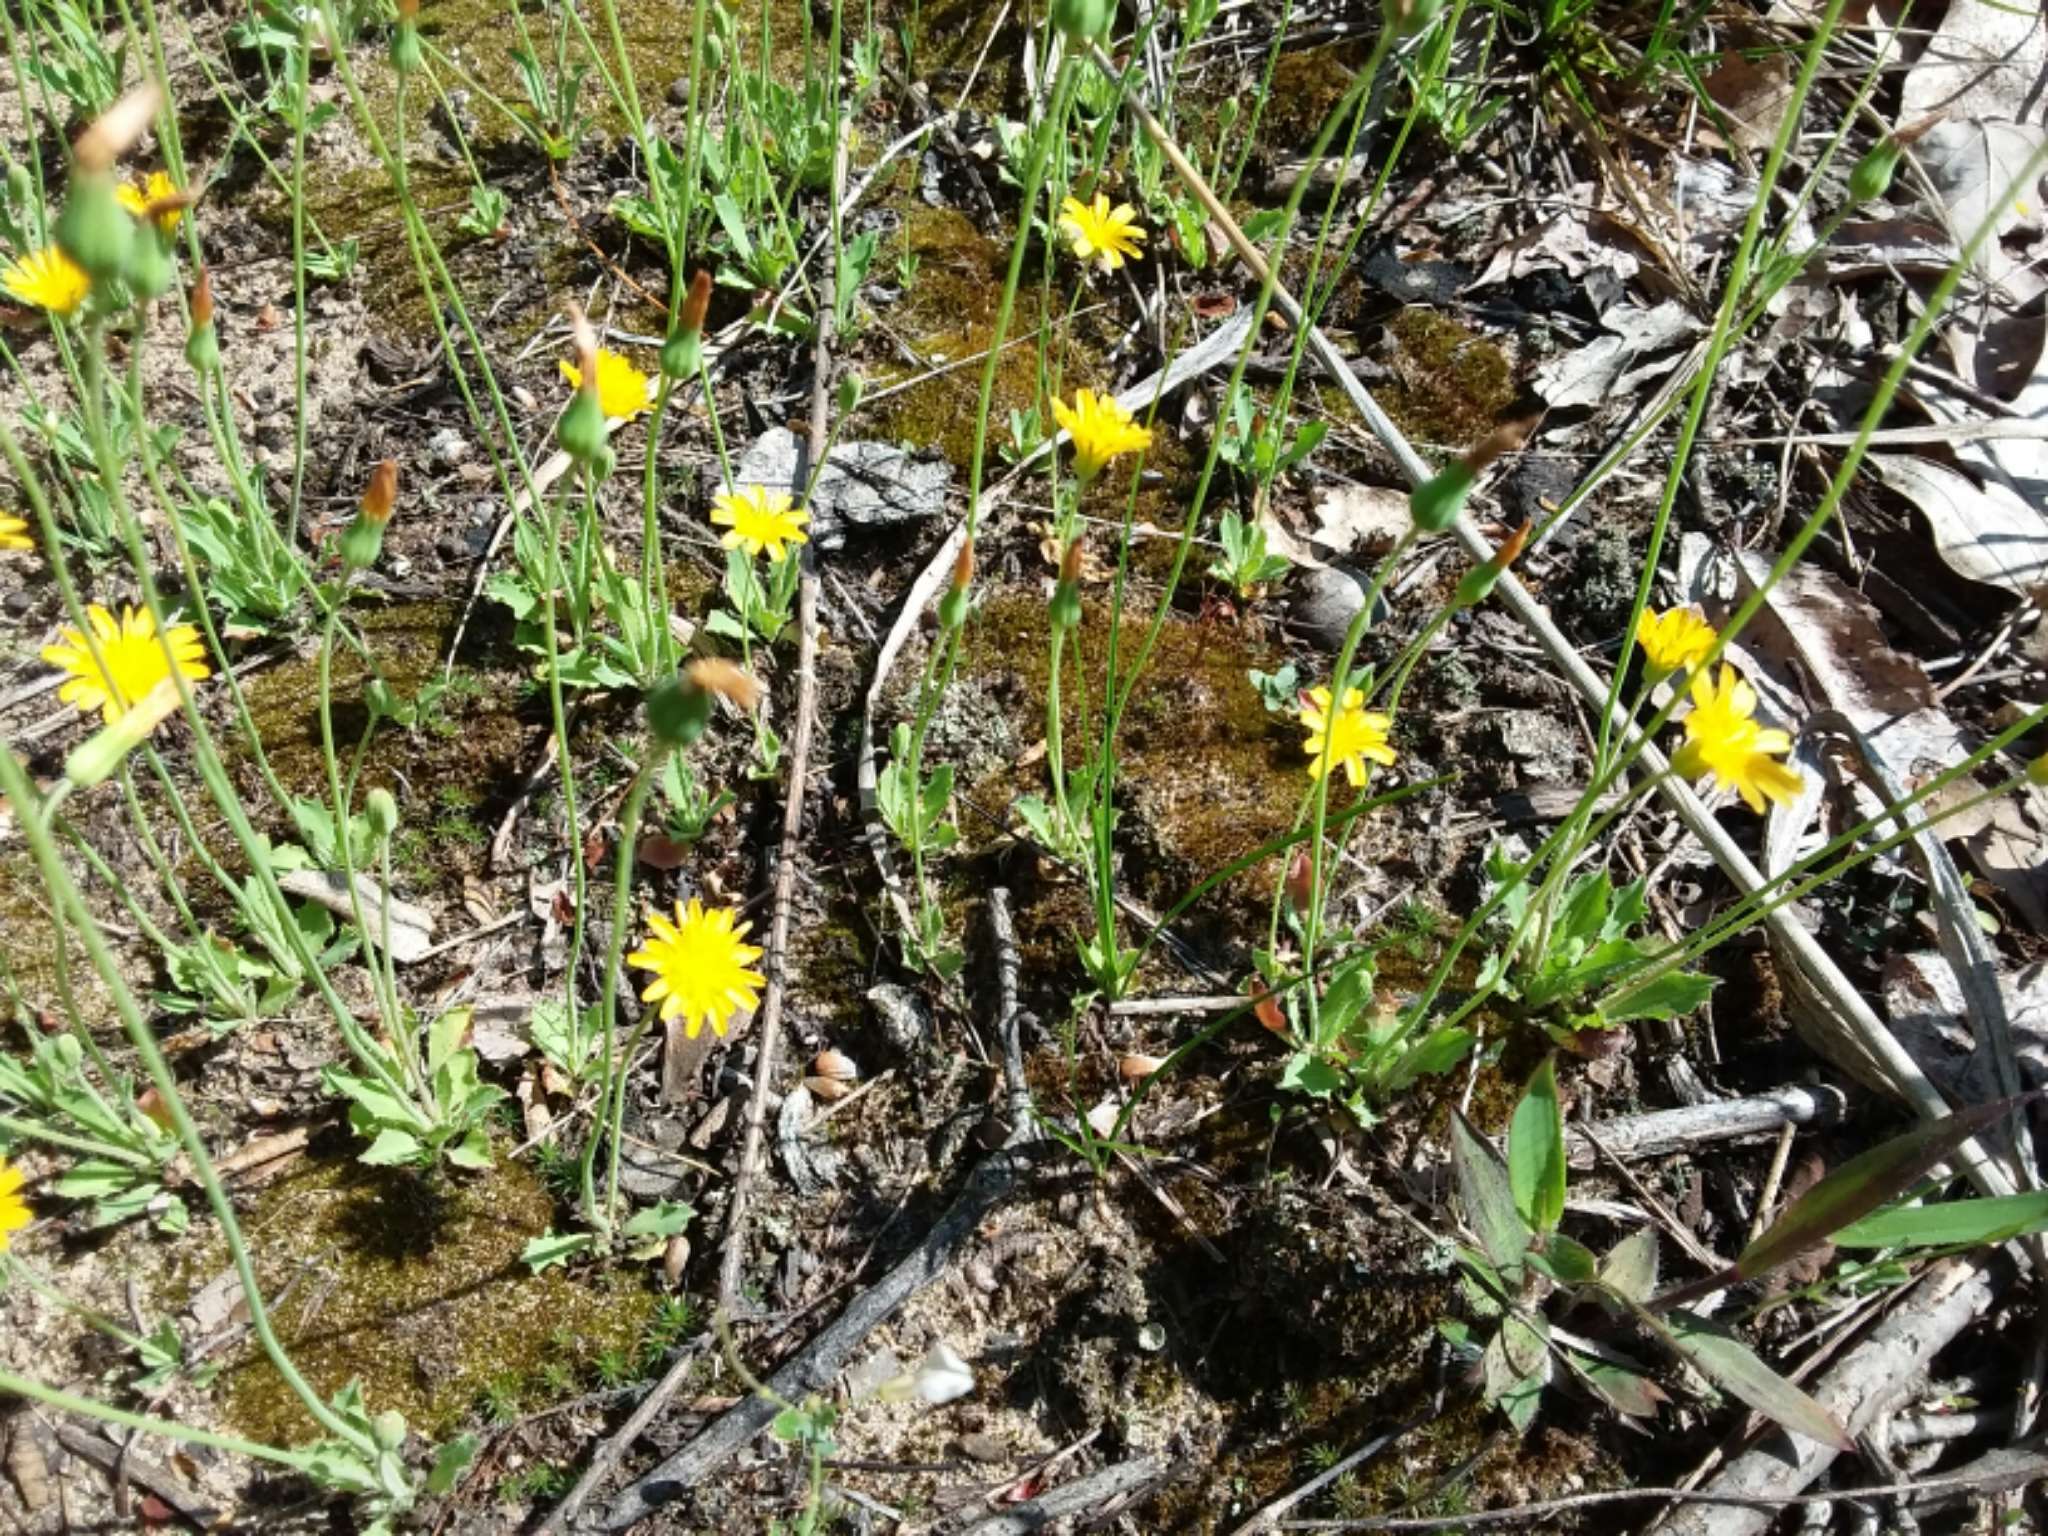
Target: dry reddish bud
{"points": [[584, 339], [1070, 562], [382, 494], [1511, 548], [963, 567], [1265, 1008], [118, 129], [697, 303], [1301, 878], [714, 674], [408, 12], [1505, 438], [202, 301]]}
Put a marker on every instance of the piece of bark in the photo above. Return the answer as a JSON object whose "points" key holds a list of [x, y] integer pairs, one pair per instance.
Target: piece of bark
{"points": [[1664, 1131], [412, 927]]}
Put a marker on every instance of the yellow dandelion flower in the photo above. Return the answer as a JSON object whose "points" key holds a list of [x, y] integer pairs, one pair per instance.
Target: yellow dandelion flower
{"points": [[1346, 738], [700, 967], [1723, 739], [1101, 429], [1098, 233], [48, 279], [158, 189], [14, 534], [135, 661], [1674, 641], [621, 388], [759, 520], [14, 1211]]}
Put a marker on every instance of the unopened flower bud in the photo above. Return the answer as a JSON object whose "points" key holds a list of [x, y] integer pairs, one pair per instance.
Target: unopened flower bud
{"points": [[1081, 22], [107, 748], [388, 1430], [381, 811], [202, 347], [363, 540], [1436, 503], [1479, 580], [94, 230], [1066, 596], [953, 606], [150, 269], [683, 353], [679, 710]]}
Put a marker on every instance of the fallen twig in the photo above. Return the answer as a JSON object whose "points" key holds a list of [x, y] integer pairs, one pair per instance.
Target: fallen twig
{"points": [[1122, 1481]]}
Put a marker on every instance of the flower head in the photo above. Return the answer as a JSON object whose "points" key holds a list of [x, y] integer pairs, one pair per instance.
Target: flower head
{"points": [[1673, 641], [14, 1211], [1101, 429], [759, 520], [1722, 738], [48, 279], [14, 534], [155, 198], [134, 656], [1346, 738], [1099, 233], [700, 967], [621, 388]]}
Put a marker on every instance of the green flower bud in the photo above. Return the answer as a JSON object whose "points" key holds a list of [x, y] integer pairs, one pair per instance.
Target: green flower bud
{"points": [[21, 185], [405, 49], [1066, 605], [150, 268], [678, 711], [381, 811], [682, 354], [581, 432], [1872, 177], [94, 230], [388, 1430], [1082, 21], [1435, 504], [202, 349], [362, 542], [2037, 772], [953, 608]]}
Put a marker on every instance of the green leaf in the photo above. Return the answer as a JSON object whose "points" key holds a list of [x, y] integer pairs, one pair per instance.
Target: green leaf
{"points": [[1630, 1268], [1864, 1183], [1732, 1366], [1671, 996], [445, 1036], [1565, 1260], [1438, 1051], [1959, 1223], [1584, 914], [1489, 1199], [663, 1220], [1310, 1074], [450, 1462], [473, 1151], [390, 1148], [552, 1248], [1536, 1160], [1628, 1393]]}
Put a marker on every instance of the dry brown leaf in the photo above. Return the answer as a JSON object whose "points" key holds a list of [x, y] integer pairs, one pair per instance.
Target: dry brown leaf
{"points": [[1986, 60], [1752, 95]]}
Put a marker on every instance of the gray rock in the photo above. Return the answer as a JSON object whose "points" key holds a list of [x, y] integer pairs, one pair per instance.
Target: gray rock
{"points": [[1544, 746], [864, 485], [1325, 601], [448, 447], [902, 1015]]}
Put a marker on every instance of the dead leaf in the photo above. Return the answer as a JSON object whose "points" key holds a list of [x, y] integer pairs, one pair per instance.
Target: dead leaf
{"points": [[412, 927], [477, 902], [660, 852], [1982, 530], [1986, 60], [1601, 369], [1822, 639], [1752, 95], [2011, 851], [1972, 165], [1356, 520]]}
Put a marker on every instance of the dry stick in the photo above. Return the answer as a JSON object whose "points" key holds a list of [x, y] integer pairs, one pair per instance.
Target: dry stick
{"points": [[769, 1049], [1824, 986], [1993, 1474], [1124, 1480]]}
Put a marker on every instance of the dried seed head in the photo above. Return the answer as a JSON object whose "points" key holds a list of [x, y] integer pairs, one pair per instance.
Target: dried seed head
{"points": [[202, 301], [963, 567], [118, 129], [1070, 562], [1505, 438], [1301, 881], [584, 339], [697, 303], [714, 674]]}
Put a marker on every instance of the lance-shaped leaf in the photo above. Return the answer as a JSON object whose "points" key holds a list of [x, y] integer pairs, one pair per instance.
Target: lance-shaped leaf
{"points": [[1536, 1151], [1959, 1223], [1863, 1184], [1733, 1367], [1489, 1199]]}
